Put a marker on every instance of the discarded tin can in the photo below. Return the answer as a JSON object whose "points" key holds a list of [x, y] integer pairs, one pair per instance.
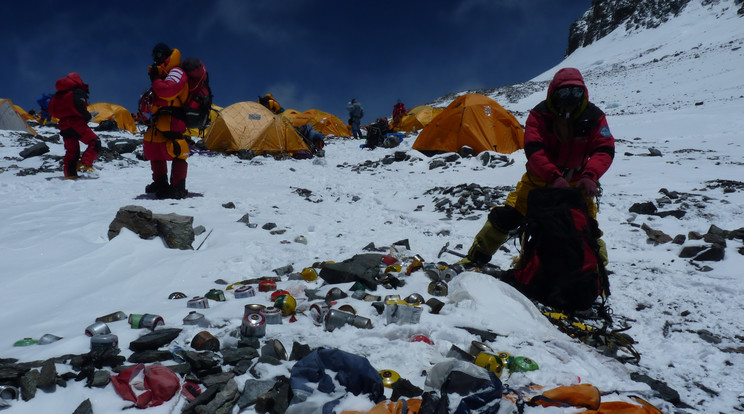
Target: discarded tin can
{"points": [[422, 338], [417, 263], [216, 294], [9, 392], [393, 268], [318, 312], [48, 339], [25, 342], [504, 357], [459, 353], [286, 303], [112, 317], [278, 293], [284, 270], [335, 294], [253, 308], [389, 377], [97, 328], [177, 295], [337, 318], [266, 286], [103, 342], [273, 315], [245, 291], [280, 350], [478, 347], [438, 288], [254, 325], [490, 362], [391, 297], [309, 274], [347, 308], [198, 302], [195, 318], [432, 271], [147, 320], [414, 298], [401, 313], [435, 304], [447, 274], [205, 341], [521, 364]]}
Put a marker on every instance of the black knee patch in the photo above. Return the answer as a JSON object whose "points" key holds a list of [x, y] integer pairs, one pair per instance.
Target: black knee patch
{"points": [[505, 218]]}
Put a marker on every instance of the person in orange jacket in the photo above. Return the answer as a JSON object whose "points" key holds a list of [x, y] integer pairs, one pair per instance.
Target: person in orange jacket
{"points": [[164, 140], [70, 106]]}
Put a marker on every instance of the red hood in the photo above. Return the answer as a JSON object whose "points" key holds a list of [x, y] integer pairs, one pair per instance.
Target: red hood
{"points": [[71, 81], [565, 77]]}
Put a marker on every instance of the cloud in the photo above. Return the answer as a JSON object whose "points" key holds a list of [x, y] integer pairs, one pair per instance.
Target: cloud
{"points": [[267, 22]]}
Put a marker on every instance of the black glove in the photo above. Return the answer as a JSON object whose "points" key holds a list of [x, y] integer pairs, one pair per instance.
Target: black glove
{"points": [[154, 73], [97, 145]]}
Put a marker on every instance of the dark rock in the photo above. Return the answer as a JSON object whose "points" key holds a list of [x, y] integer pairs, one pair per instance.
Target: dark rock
{"points": [[654, 152], [714, 254], [664, 391], [362, 267], [717, 239], [248, 342], [691, 251], [205, 397], [234, 355], [656, 236], [693, 235], [466, 151], [200, 360], [484, 157], [48, 375], [268, 359], [101, 378], [176, 230], [229, 204], [388, 159], [218, 379], [437, 163], [85, 407], [155, 339], [242, 367], [246, 154], [268, 226], [709, 336], [29, 384], [135, 218], [643, 208], [674, 213], [224, 401], [276, 400], [299, 351], [252, 390], [35, 150], [124, 146], [149, 356], [400, 156], [679, 239], [404, 388], [452, 157]]}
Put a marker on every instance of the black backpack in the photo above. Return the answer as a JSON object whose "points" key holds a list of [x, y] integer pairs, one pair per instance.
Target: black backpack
{"points": [[560, 265]]}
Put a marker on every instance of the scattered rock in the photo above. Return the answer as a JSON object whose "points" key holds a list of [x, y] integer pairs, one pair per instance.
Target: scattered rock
{"points": [[35, 150]]}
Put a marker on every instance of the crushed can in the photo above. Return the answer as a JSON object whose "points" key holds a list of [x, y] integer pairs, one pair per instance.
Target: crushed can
{"points": [[490, 362], [286, 303], [438, 288], [414, 298], [435, 304], [216, 294], [266, 286], [9, 392], [416, 263], [273, 315], [401, 313], [196, 318], [25, 342], [318, 312], [422, 338], [284, 270], [97, 328], [48, 339], [205, 341], [146, 320], [253, 325], [245, 291], [252, 308], [394, 268], [112, 317], [104, 342], [198, 302], [478, 347], [335, 294], [521, 364], [337, 318], [347, 308], [309, 274], [432, 271]]}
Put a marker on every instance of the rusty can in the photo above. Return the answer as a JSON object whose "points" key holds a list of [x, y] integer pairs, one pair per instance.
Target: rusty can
{"points": [[205, 341], [318, 312], [272, 314], [195, 318], [266, 286], [103, 342], [438, 288], [112, 317], [245, 291], [198, 302], [98, 328], [254, 325], [216, 294]]}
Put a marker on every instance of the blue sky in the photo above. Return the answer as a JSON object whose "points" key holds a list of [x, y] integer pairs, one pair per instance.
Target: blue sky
{"points": [[308, 54]]}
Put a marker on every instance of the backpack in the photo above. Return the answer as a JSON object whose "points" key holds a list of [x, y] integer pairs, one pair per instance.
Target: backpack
{"points": [[198, 104], [559, 264]]}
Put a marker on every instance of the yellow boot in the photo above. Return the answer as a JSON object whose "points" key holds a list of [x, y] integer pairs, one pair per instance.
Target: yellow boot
{"points": [[485, 244]]}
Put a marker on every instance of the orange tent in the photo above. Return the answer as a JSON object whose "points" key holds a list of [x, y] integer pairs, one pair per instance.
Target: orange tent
{"points": [[323, 122], [117, 113], [476, 121], [417, 118]]}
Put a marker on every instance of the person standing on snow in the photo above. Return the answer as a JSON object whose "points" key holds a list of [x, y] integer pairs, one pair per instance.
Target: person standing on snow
{"points": [[43, 102], [70, 106], [163, 140], [399, 111], [568, 144], [356, 112]]}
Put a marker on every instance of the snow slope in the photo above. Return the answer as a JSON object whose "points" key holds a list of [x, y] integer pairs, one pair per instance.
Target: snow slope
{"points": [[677, 88]]}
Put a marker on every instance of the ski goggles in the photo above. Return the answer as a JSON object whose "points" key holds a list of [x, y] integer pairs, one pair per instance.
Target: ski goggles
{"points": [[570, 92]]}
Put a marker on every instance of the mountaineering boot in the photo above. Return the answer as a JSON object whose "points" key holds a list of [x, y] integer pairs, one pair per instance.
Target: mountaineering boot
{"points": [[160, 184], [176, 191], [485, 244], [85, 168]]}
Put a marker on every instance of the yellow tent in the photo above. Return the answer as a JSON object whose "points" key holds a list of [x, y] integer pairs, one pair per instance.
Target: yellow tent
{"points": [[11, 120], [417, 118], [118, 113], [476, 121], [290, 114], [22, 112], [249, 125], [323, 122], [196, 132]]}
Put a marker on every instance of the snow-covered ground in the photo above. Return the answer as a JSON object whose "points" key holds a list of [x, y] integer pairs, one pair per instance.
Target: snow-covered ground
{"points": [[677, 89]]}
